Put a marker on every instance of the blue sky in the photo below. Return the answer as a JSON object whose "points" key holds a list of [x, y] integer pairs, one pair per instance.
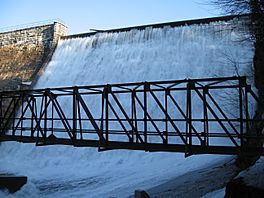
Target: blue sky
{"points": [[82, 15]]}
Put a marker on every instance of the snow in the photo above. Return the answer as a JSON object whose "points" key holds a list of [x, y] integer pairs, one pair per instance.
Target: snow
{"points": [[216, 194], [197, 183], [152, 54]]}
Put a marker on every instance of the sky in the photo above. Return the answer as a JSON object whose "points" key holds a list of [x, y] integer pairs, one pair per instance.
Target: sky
{"points": [[82, 15]]}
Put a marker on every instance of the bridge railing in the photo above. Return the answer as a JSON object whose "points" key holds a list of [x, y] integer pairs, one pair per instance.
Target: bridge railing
{"points": [[211, 115]]}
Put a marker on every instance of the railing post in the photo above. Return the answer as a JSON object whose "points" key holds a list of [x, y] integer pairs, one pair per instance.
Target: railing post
{"points": [[45, 113], [248, 87], [32, 115], [22, 110], [190, 86], [102, 111], [146, 89], [52, 119], [13, 115], [79, 118], [132, 115], [107, 89], [205, 141], [242, 83], [74, 113], [167, 91]]}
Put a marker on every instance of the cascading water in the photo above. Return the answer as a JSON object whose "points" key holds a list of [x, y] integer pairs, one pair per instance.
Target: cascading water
{"points": [[137, 55]]}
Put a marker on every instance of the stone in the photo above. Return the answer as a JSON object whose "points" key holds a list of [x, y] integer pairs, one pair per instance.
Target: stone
{"points": [[22, 52], [141, 194], [238, 188]]}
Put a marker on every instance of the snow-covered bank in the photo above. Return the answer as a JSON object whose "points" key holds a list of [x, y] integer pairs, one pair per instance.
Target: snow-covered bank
{"points": [[216, 194], [198, 183]]}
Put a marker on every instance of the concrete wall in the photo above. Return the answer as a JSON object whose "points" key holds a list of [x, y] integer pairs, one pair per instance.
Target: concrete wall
{"points": [[23, 52]]}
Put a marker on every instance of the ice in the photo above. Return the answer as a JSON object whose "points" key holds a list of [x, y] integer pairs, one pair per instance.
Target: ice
{"points": [[137, 55]]}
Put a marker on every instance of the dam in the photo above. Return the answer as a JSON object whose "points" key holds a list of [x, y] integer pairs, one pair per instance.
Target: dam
{"points": [[202, 49]]}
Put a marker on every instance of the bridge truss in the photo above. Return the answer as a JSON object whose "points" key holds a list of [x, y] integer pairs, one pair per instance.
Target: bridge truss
{"points": [[194, 116]]}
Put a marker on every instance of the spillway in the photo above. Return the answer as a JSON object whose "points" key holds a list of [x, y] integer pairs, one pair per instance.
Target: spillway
{"points": [[205, 50]]}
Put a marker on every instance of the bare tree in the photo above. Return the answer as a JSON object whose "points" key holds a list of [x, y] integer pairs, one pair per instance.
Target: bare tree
{"points": [[255, 11], [239, 6]]}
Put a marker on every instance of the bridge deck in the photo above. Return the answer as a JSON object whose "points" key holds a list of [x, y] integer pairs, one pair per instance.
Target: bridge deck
{"points": [[150, 147]]}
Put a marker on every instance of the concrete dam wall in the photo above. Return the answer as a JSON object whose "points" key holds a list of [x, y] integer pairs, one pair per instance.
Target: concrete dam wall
{"points": [[23, 52]]}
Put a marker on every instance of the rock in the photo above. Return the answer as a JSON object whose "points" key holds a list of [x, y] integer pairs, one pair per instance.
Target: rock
{"points": [[12, 183], [237, 188], [141, 194]]}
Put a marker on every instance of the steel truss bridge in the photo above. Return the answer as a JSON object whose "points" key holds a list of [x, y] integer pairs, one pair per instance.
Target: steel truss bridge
{"points": [[193, 116]]}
